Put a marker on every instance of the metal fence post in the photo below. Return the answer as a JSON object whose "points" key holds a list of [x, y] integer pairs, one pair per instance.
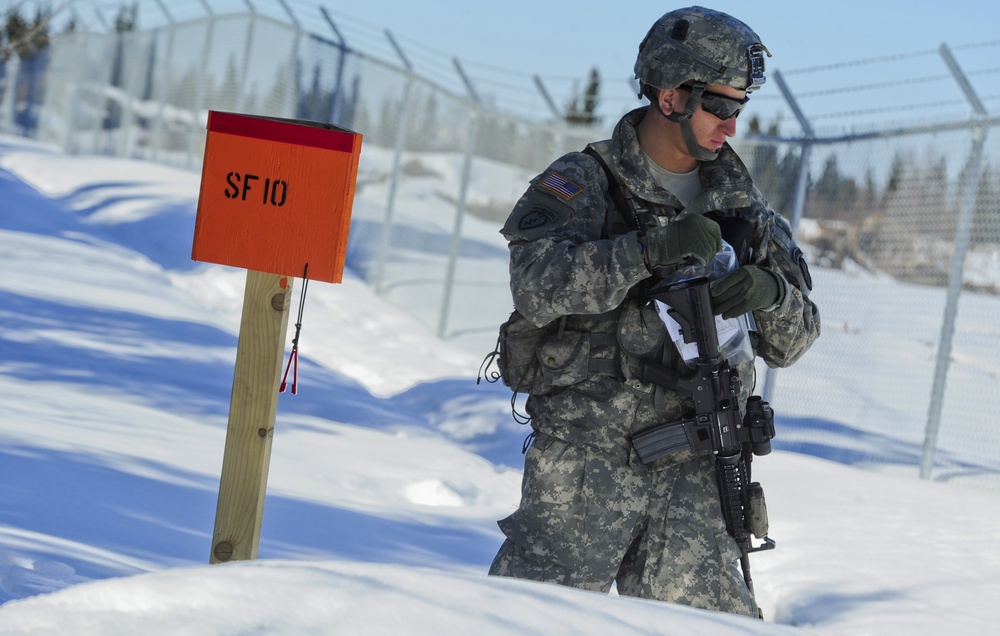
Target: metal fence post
{"points": [[196, 132], [547, 97], [102, 130], [291, 104], [799, 202], [10, 89], [968, 208], [247, 49], [160, 89], [456, 233], [338, 85], [72, 95], [402, 131], [133, 77]]}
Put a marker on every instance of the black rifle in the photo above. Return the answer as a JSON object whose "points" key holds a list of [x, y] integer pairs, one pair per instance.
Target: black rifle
{"points": [[717, 424]]}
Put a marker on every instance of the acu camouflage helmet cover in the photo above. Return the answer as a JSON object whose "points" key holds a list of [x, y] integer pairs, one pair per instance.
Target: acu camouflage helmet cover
{"points": [[701, 45]]}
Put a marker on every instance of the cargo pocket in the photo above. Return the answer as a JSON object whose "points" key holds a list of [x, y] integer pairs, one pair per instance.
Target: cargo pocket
{"points": [[548, 524], [564, 359], [734, 596]]}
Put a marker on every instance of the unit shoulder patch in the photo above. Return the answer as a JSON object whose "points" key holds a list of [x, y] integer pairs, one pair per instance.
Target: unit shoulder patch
{"points": [[536, 217]]}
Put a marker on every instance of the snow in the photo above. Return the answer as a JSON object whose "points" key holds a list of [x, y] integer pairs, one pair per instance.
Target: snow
{"points": [[389, 469]]}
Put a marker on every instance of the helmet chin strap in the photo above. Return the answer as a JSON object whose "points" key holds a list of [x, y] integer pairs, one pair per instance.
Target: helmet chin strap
{"points": [[697, 151]]}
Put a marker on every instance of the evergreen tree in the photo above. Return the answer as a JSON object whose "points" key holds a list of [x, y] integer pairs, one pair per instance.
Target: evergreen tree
{"points": [[385, 134], [828, 185], [788, 171], [20, 37], [775, 173], [72, 24], [834, 196], [282, 91], [424, 135], [16, 31], [937, 211], [582, 110], [986, 222], [228, 95], [124, 23], [348, 106], [127, 18], [896, 176]]}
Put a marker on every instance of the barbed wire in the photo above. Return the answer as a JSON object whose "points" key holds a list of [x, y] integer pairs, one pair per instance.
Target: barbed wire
{"points": [[885, 85], [899, 108], [863, 62], [886, 58]]}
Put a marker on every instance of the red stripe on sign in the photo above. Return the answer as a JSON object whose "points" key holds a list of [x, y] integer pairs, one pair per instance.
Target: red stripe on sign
{"points": [[290, 131]]}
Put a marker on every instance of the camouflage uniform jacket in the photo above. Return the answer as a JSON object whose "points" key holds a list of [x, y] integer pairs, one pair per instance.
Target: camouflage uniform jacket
{"points": [[561, 267]]}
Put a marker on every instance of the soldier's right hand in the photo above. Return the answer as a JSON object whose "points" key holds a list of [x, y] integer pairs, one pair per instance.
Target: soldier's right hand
{"points": [[690, 235]]}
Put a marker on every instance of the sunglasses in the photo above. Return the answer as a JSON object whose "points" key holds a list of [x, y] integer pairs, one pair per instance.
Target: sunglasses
{"points": [[720, 105]]}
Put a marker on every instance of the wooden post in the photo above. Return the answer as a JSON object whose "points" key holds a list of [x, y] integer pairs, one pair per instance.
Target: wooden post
{"points": [[252, 412], [275, 199]]}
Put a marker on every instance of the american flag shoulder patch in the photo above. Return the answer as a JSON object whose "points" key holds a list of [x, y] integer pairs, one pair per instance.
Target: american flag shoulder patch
{"points": [[560, 186]]}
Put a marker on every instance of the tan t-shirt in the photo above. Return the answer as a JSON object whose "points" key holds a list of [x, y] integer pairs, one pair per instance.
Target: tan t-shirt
{"points": [[683, 185]]}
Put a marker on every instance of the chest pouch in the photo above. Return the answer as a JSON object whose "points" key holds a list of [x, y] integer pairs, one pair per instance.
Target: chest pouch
{"points": [[564, 359]]}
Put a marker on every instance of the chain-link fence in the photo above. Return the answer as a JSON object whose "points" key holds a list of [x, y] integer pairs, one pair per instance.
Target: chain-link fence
{"points": [[905, 257], [902, 224]]}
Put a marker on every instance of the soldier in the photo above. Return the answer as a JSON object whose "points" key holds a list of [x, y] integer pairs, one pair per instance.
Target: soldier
{"points": [[591, 513]]}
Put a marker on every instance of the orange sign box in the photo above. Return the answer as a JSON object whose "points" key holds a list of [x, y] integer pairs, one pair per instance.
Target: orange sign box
{"points": [[276, 194]]}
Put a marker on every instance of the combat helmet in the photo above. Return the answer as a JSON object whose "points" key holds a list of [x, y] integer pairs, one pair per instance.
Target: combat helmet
{"points": [[697, 47]]}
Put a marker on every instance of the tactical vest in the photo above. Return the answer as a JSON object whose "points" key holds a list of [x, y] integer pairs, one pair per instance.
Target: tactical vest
{"points": [[537, 360]]}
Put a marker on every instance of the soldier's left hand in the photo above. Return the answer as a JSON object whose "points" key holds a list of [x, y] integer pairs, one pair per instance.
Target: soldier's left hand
{"points": [[745, 289]]}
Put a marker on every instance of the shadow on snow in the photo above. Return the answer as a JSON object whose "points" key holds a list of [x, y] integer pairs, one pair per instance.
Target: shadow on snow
{"points": [[852, 446], [64, 495]]}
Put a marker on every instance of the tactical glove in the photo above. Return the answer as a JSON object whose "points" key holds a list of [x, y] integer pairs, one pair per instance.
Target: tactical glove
{"points": [[689, 235], [743, 290]]}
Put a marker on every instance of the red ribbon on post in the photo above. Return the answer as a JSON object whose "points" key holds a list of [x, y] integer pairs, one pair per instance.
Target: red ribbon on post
{"points": [[293, 357]]}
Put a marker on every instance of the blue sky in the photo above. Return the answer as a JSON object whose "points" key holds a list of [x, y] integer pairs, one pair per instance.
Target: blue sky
{"points": [[565, 36]]}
